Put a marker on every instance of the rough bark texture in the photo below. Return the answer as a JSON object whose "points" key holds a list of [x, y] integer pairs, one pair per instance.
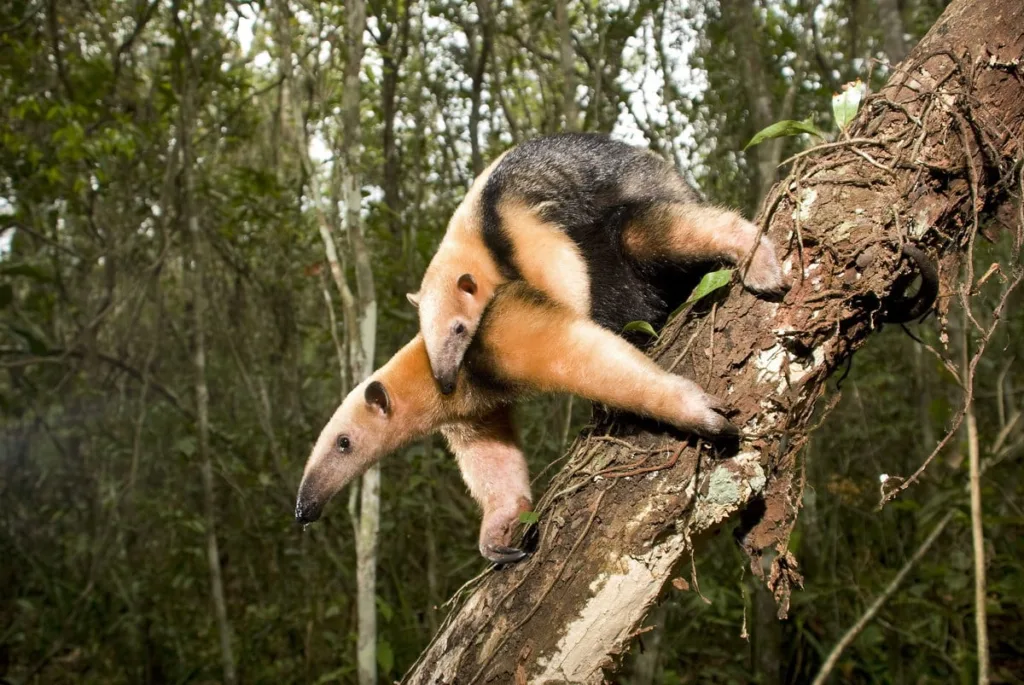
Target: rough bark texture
{"points": [[940, 143]]}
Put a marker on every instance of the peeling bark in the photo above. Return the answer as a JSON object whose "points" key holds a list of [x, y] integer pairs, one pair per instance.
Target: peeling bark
{"points": [[937, 145]]}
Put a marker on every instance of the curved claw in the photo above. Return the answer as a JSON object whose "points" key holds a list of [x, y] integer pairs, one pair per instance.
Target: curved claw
{"points": [[900, 307], [500, 554]]}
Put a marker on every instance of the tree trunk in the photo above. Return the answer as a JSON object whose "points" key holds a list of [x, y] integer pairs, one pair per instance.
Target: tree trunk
{"points": [[892, 24], [479, 53], [197, 303], [977, 528], [568, 65], [744, 35], [393, 44], [934, 147], [361, 346]]}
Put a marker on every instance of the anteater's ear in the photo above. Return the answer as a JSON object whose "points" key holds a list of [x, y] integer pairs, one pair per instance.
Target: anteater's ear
{"points": [[414, 299], [467, 284], [377, 397]]}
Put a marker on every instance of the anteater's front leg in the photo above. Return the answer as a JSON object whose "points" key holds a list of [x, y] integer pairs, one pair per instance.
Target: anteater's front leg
{"points": [[537, 345], [495, 471]]}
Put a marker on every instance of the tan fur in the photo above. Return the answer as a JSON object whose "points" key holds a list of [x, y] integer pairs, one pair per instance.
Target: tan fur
{"points": [[547, 258], [532, 343], [689, 232]]}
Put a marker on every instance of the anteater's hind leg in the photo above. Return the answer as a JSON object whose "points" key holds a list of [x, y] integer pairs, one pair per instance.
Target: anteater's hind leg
{"points": [[687, 233]]}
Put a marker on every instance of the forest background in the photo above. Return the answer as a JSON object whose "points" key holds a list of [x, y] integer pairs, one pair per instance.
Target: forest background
{"points": [[210, 215]]}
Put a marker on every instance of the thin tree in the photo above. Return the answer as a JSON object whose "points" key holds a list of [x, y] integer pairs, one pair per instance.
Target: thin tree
{"points": [[185, 85]]}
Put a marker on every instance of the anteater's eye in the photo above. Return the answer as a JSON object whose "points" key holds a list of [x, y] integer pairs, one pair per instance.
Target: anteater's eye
{"points": [[343, 443]]}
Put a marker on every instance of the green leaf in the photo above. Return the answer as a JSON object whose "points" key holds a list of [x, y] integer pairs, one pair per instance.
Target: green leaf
{"points": [[528, 517], [186, 445], [36, 344], [642, 326], [385, 656], [846, 103], [6, 295], [711, 282], [786, 127], [384, 609]]}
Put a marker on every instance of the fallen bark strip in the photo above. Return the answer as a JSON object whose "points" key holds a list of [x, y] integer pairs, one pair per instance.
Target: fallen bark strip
{"points": [[939, 144]]}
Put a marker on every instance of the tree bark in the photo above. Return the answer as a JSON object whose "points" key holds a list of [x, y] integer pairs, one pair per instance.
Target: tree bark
{"points": [[936, 146]]}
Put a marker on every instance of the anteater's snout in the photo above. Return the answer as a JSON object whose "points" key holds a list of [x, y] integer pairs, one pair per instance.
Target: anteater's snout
{"points": [[446, 383], [307, 511]]}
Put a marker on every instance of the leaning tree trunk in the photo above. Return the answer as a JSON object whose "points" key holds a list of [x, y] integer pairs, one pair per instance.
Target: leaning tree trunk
{"points": [[940, 143]]}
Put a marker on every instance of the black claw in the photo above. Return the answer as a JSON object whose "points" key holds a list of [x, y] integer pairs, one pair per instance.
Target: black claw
{"points": [[505, 555], [723, 431], [900, 307], [730, 430], [772, 294]]}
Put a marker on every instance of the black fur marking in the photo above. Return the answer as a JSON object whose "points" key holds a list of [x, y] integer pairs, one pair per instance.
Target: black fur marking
{"points": [[593, 187]]}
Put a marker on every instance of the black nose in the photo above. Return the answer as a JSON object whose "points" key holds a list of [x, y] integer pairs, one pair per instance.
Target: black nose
{"points": [[447, 383], [307, 512]]}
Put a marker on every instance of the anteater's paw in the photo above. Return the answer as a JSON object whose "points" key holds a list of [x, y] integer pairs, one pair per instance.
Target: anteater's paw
{"points": [[764, 273], [717, 427], [496, 531], [704, 413]]}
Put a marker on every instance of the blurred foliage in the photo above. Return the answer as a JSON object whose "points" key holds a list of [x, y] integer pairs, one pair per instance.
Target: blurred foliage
{"points": [[102, 533]]}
